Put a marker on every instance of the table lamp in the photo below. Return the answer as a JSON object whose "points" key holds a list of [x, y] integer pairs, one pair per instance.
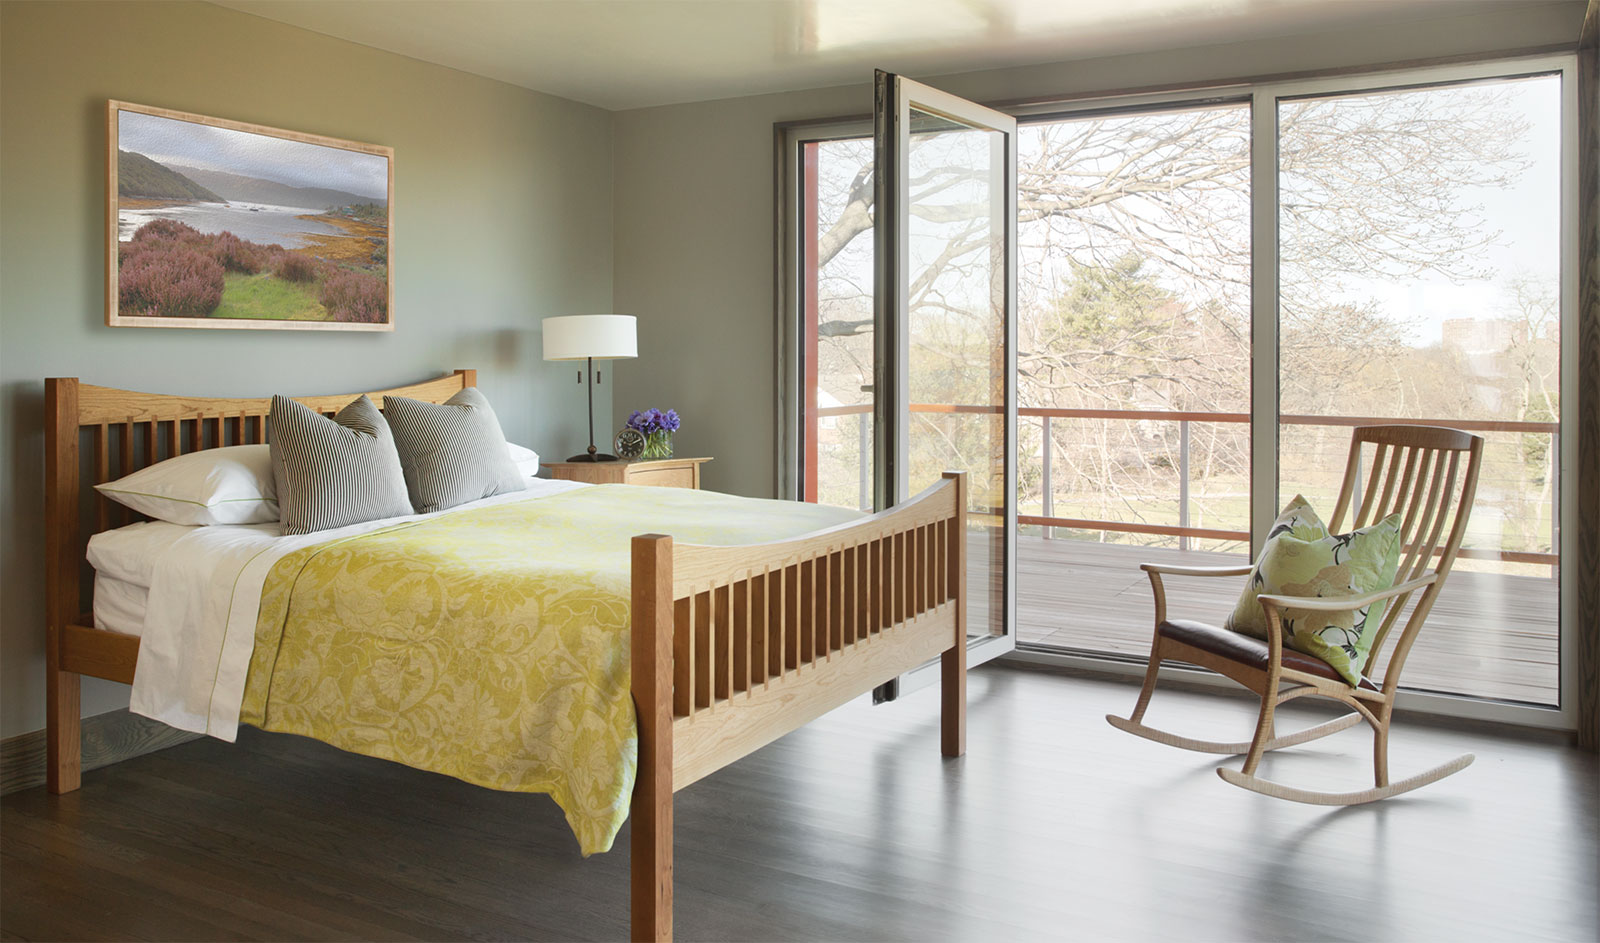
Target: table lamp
{"points": [[591, 337]]}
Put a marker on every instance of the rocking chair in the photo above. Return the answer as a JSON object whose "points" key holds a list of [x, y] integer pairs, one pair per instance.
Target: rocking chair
{"points": [[1419, 482]]}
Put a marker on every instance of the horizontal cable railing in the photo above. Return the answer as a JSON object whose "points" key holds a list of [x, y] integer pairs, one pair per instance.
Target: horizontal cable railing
{"points": [[1182, 530]]}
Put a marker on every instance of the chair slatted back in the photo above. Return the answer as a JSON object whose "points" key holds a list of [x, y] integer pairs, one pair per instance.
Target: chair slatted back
{"points": [[1418, 473]]}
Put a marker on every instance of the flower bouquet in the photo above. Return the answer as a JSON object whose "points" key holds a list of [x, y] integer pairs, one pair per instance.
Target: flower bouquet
{"points": [[657, 428]]}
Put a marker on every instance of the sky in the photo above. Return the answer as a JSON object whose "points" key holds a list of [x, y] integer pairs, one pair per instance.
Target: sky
{"points": [[1527, 214], [295, 163]]}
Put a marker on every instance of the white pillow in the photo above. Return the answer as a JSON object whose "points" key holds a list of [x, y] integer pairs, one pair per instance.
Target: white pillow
{"points": [[230, 485], [526, 459]]}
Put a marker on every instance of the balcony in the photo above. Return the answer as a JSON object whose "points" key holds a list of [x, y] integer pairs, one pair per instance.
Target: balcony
{"points": [[1494, 632]]}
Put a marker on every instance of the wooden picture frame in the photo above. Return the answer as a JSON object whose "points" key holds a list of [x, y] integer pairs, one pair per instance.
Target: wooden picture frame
{"points": [[255, 227]]}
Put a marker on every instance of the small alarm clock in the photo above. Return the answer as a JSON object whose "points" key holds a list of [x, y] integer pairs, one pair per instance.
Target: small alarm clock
{"points": [[629, 444]]}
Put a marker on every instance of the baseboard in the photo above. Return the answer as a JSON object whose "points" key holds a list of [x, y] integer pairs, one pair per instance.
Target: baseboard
{"points": [[107, 738]]}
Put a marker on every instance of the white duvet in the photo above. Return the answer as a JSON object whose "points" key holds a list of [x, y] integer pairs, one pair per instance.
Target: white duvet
{"points": [[205, 593]]}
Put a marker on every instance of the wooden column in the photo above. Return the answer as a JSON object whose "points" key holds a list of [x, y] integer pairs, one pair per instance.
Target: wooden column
{"points": [[1587, 571], [651, 813], [63, 747], [953, 663]]}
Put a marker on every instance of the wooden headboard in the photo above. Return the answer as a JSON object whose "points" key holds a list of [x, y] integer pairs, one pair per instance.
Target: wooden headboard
{"points": [[95, 434]]}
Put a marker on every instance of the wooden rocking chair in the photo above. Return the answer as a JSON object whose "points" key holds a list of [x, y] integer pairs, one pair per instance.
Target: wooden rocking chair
{"points": [[1415, 473]]}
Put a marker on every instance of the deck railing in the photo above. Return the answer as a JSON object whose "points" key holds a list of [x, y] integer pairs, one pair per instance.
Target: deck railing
{"points": [[1185, 533]]}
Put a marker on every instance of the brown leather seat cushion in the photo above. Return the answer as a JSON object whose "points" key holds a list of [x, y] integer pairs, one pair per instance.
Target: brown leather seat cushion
{"points": [[1245, 649]]}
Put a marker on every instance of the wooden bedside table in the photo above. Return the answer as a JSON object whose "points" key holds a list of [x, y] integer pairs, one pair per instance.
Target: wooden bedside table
{"points": [[660, 472]]}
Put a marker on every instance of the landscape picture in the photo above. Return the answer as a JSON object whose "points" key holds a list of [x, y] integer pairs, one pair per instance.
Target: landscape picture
{"points": [[221, 224]]}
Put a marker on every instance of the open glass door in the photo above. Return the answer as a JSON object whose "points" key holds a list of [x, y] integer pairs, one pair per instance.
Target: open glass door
{"points": [[945, 326]]}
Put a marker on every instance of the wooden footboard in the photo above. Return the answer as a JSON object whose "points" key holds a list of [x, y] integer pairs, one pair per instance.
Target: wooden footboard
{"points": [[734, 647]]}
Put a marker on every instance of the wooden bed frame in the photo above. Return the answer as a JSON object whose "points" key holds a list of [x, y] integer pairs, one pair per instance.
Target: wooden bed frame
{"points": [[732, 647]]}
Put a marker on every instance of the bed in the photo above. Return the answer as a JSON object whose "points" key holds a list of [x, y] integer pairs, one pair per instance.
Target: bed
{"points": [[728, 647]]}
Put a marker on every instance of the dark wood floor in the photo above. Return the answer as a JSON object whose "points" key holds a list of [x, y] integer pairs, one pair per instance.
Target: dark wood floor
{"points": [[1054, 826]]}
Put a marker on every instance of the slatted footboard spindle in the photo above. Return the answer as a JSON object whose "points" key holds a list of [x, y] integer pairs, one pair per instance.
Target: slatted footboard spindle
{"points": [[734, 647]]}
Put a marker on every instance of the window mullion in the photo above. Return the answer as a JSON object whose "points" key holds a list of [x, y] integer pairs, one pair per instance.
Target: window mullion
{"points": [[1263, 314]]}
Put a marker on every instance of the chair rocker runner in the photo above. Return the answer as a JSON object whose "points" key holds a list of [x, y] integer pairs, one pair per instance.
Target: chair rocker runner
{"points": [[1415, 472]]}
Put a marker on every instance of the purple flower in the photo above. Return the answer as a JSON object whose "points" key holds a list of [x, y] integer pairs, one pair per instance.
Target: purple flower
{"points": [[651, 421]]}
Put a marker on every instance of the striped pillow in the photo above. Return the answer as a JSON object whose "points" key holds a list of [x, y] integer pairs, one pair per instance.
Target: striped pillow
{"points": [[333, 472], [452, 452]]}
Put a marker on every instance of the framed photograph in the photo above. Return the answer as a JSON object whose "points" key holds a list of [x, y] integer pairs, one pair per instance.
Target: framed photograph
{"points": [[213, 223]]}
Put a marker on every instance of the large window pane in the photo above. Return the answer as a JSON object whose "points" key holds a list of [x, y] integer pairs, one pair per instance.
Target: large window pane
{"points": [[1419, 281], [836, 323], [1134, 368]]}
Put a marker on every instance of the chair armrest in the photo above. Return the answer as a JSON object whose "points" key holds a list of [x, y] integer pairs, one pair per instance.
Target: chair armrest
{"points": [[1336, 603], [1156, 570], [1169, 570]]}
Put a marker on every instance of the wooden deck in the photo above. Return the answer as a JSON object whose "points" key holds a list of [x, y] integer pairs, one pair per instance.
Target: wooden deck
{"points": [[1488, 636]]}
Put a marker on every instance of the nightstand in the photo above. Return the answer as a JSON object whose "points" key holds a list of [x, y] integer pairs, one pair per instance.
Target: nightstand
{"points": [[660, 472]]}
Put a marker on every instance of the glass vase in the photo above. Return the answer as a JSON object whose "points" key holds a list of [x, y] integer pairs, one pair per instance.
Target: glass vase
{"points": [[657, 445]]}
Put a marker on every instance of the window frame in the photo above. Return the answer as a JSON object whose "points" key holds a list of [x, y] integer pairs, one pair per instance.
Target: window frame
{"points": [[1263, 97]]}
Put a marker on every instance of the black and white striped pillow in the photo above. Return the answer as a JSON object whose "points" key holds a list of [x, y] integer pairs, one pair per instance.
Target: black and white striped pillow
{"points": [[452, 452], [333, 472]]}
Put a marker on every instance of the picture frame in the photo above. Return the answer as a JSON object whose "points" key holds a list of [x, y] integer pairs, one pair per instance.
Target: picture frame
{"points": [[220, 224]]}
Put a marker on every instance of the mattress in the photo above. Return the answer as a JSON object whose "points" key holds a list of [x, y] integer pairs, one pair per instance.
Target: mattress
{"points": [[124, 562], [125, 558], [119, 605]]}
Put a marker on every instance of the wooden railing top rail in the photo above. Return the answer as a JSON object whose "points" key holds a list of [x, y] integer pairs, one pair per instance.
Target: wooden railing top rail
{"points": [[1171, 415]]}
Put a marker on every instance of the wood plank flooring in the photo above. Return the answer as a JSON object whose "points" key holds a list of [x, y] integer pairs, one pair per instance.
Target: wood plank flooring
{"points": [[1054, 826], [1488, 636]]}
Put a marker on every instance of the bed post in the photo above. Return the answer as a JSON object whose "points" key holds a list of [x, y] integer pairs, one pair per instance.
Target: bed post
{"points": [[62, 705], [468, 378], [651, 813], [953, 663]]}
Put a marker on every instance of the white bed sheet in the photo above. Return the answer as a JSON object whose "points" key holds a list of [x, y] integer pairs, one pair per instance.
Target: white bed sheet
{"points": [[204, 594], [119, 605], [129, 554]]}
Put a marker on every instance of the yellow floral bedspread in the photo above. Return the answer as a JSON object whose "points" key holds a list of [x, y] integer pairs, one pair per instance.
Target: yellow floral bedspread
{"points": [[489, 644]]}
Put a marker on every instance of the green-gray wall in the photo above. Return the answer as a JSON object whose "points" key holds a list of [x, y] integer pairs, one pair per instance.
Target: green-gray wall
{"points": [[695, 221], [502, 216]]}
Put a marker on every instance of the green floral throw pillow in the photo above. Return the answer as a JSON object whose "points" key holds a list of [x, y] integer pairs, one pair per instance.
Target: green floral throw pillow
{"points": [[1297, 519], [1301, 559]]}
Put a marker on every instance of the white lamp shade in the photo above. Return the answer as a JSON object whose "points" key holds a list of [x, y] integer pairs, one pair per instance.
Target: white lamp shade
{"points": [[581, 336]]}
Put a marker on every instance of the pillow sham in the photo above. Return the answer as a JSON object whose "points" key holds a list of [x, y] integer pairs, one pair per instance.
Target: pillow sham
{"points": [[526, 459], [451, 452], [333, 472], [229, 485], [1329, 566]]}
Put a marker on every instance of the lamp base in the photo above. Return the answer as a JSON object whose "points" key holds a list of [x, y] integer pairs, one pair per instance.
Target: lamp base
{"points": [[593, 457]]}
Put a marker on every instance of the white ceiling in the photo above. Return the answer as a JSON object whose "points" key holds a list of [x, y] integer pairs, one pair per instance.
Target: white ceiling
{"points": [[620, 54]]}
